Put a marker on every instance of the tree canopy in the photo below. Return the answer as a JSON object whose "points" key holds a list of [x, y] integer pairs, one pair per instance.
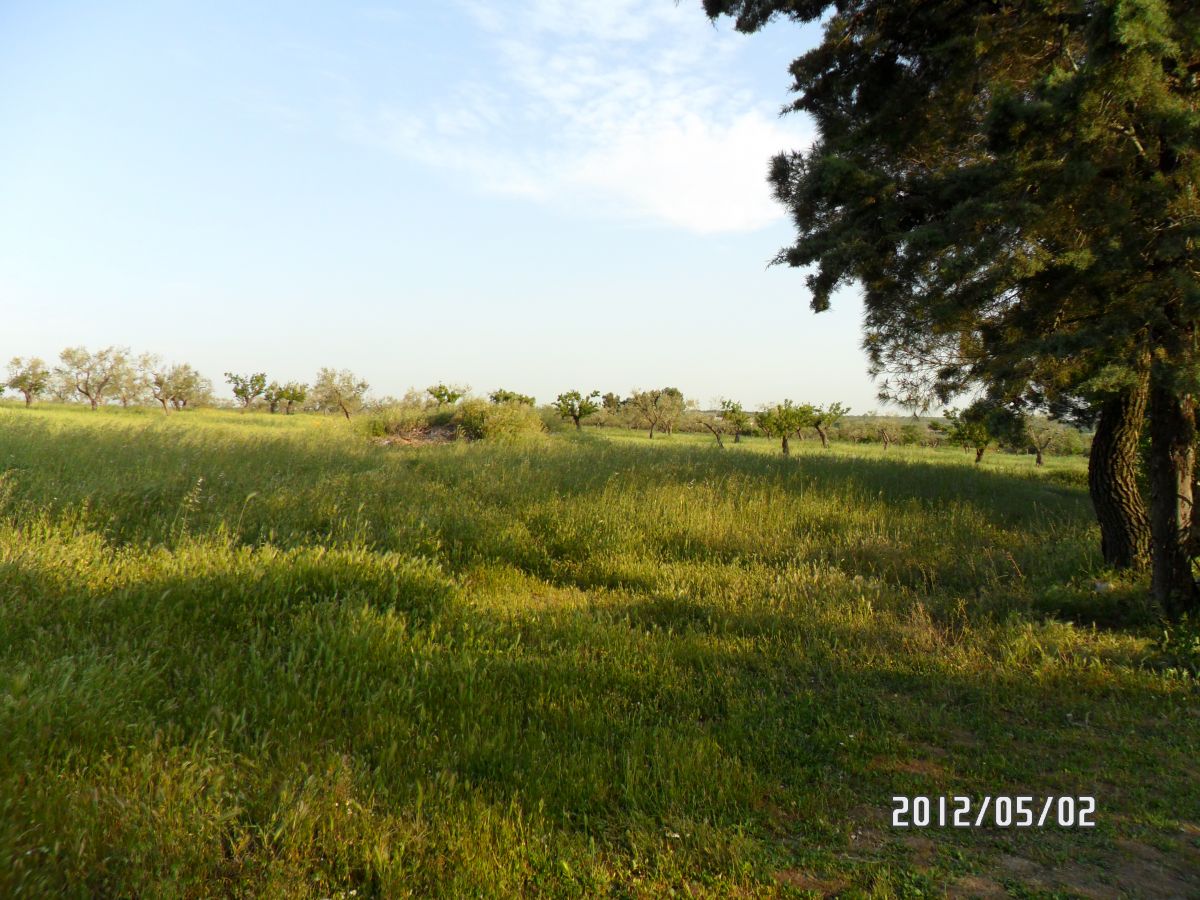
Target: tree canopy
{"points": [[1014, 186]]}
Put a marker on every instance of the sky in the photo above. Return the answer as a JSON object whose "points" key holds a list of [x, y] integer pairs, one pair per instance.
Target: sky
{"points": [[538, 195]]}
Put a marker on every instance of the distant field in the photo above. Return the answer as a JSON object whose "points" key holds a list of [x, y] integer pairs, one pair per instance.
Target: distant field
{"points": [[260, 655]]}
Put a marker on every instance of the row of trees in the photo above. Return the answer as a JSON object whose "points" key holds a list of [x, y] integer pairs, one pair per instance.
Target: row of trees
{"points": [[107, 375], [1017, 191], [114, 375]]}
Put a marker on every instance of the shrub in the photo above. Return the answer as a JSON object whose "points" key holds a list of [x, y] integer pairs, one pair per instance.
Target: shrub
{"points": [[502, 422], [399, 420]]}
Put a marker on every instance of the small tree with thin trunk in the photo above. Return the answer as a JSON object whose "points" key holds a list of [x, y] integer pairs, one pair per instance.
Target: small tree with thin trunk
{"points": [[969, 429], [658, 409], [247, 388], [446, 395], [342, 391], [131, 380], [502, 396], [91, 374], [292, 393], [576, 406], [736, 418], [716, 425], [1047, 436], [29, 377], [782, 421], [825, 417]]}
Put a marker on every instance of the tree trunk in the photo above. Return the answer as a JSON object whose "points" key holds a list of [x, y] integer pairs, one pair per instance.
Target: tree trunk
{"points": [[652, 431], [737, 437], [1172, 465], [345, 411], [979, 451], [92, 400], [1039, 461], [28, 400], [824, 437], [578, 427], [1113, 480], [787, 451]]}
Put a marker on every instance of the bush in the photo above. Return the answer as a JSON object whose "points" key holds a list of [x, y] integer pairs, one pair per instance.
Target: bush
{"points": [[394, 421], [502, 422]]}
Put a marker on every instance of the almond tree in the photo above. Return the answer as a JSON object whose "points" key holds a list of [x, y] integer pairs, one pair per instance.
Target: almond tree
{"points": [[339, 390], [247, 388], [576, 406], [30, 377], [91, 375]]}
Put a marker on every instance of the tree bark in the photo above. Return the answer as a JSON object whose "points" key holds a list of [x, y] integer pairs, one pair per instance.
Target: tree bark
{"points": [[1172, 465], [824, 438], [737, 437], [578, 427], [1113, 480], [787, 451], [1039, 461], [651, 431], [979, 451]]}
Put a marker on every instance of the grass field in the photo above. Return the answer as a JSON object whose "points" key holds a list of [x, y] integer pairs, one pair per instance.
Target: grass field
{"points": [[261, 656]]}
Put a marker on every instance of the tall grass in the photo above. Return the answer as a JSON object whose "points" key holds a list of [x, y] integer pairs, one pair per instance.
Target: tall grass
{"points": [[255, 655]]}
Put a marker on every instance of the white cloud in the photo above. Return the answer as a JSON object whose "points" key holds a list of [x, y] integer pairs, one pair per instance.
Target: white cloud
{"points": [[624, 108]]}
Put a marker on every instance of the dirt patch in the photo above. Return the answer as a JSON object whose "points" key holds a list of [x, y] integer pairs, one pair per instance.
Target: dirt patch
{"points": [[435, 434], [1137, 870], [802, 881], [976, 886], [925, 767]]}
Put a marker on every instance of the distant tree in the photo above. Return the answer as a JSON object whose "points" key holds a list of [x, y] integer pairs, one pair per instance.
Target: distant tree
{"points": [[784, 420], [659, 409], [446, 395], [131, 380], [576, 406], [339, 390], [889, 430], [30, 377], [737, 419], [91, 374], [292, 393], [247, 388], [716, 425], [611, 402], [503, 396], [176, 386], [825, 417], [969, 429], [1045, 435]]}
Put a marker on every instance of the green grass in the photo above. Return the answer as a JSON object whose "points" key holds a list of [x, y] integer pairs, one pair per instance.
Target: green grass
{"points": [[252, 655]]}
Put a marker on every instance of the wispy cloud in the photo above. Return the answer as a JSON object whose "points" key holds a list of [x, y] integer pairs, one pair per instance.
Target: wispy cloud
{"points": [[626, 108]]}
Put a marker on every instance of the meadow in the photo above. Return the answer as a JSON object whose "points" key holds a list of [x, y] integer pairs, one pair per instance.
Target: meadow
{"points": [[254, 655]]}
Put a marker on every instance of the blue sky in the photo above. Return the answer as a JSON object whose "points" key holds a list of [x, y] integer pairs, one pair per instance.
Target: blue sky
{"points": [[534, 194]]}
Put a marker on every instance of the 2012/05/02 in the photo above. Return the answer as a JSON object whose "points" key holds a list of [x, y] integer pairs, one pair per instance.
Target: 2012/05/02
{"points": [[1000, 811]]}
